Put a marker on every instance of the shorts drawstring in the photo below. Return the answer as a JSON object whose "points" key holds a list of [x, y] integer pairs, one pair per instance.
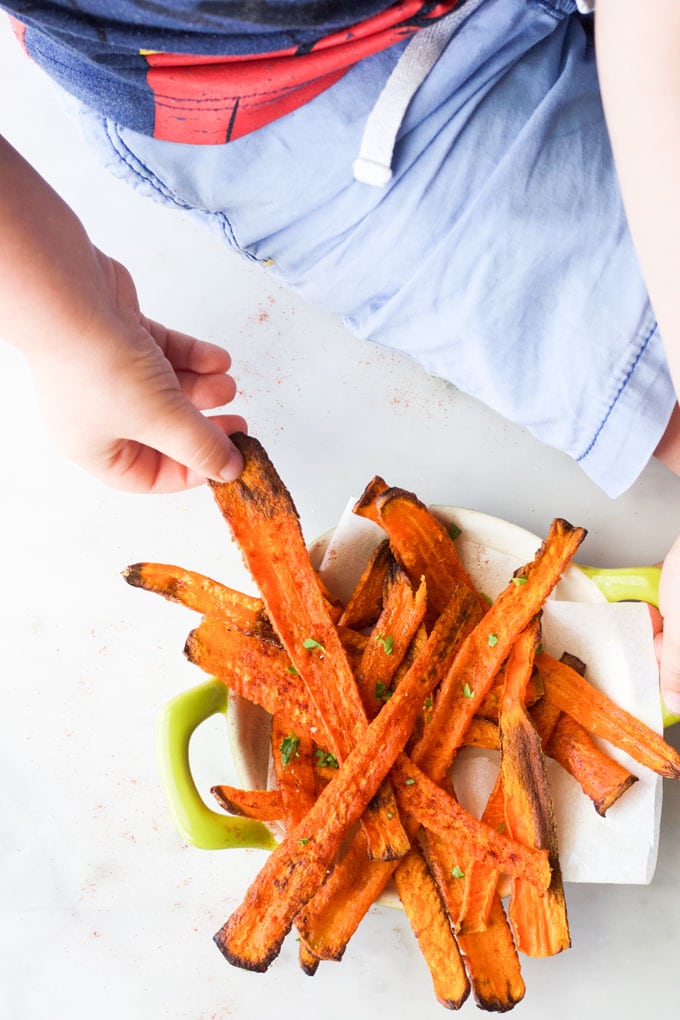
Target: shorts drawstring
{"points": [[374, 163]]}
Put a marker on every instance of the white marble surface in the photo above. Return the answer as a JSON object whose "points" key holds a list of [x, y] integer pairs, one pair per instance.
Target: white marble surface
{"points": [[103, 911]]}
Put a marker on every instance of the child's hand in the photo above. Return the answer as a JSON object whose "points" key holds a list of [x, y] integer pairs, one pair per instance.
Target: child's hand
{"points": [[125, 403], [667, 637], [121, 395]]}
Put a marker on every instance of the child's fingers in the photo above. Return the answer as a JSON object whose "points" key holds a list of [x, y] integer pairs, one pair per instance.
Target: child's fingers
{"points": [[178, 451], [187, 353], [200, 444], [207, 391]]}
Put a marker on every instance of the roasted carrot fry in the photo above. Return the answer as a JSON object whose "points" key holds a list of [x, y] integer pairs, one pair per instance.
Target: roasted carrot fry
{"points": [[602, 779], [430, 923], [331, 917], [309, 963], [392, 635], [202, 594], [365, 603], [491, 960], [602, 717], [264, 805], [482, 882], [419, 541], [257, 670], [264, 521], [252, 937], [538, 919], [365, 506]]}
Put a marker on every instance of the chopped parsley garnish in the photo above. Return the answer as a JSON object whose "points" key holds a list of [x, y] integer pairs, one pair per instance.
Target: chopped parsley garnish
{"points": [[310, 643], [519, 580], [467, 691], [325, 759], [409, 782], [292, 669], [304, 841], [387, 642], [492, 640], [457, 872], [486, 598], [289, 749], [382, 691], [454, 531]]}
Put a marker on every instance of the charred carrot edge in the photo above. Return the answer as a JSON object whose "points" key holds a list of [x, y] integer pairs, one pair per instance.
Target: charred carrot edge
{"points": [[252, 936], [464, 687], [309, 963], [604, 718], [389, 642], [365, 603], [263, 805], [262, 516], [365, 506], [430, 924], [492, 962], [200, 593], [539, 920]]}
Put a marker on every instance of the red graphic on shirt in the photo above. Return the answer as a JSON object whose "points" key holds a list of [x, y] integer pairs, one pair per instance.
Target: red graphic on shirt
{"points": [[19, 30], [210, 100]]}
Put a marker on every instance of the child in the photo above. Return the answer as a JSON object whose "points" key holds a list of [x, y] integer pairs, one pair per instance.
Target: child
{"points": [[438, 174]]}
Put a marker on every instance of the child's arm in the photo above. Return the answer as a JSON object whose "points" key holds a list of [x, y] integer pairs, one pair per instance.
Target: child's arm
{"points": [[638, 50], [121, 395]]}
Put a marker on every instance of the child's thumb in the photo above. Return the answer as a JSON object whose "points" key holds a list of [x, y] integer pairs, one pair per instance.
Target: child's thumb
{"points": [[202, 443]]}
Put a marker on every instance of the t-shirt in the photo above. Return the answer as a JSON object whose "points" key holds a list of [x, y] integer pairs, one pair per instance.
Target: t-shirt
{"points": [[208, 71]]}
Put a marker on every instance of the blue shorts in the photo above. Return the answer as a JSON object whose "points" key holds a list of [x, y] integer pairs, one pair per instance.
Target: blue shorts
{"points": [[497, 256]]}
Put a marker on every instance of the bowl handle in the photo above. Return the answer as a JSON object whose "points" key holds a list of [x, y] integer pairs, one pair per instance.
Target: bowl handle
{"points": [[199, 825], [630, 584], [626, 584]]}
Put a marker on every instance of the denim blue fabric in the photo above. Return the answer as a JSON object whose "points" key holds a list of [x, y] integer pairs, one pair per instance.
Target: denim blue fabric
{"points": [[498, 256]]}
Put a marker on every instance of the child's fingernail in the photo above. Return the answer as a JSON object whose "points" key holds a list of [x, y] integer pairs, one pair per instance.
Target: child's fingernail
{"points": [[233, 468], [671, 700]]}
